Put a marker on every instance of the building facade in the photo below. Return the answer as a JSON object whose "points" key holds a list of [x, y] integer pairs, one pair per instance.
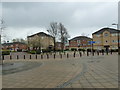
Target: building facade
{"points": [[40, 40], [58, 45], [15, 46], [80, 42], [106, 38]]}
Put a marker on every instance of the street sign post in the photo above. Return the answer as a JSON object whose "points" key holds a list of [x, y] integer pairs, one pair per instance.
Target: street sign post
{"points": [[91, 43]]}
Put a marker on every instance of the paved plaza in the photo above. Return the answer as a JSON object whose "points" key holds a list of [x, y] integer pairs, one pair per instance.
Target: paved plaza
{"points": [[79, 72]]}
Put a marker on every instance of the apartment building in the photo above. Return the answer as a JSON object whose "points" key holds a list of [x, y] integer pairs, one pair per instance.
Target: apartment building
{"points": [[15, 46], [106, 38], [40, 40], [80, 42]]}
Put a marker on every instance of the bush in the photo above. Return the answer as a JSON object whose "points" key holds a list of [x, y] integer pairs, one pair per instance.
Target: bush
{"points": [[114, 50], [66, 50], [89, 50], [73, 49], [83, 50], [80, 49], [13, 51], [38, 51], [6, 52], [32, 52], [58, 50]]}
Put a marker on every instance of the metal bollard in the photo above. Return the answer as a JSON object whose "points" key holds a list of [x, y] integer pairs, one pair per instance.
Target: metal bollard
{"points": [[41, 56], [17, 57], [36, 56], [93, 53], [24, 56], [30, 56], [74, 54], [54, 56], [67, 55], [47, 56], [10, 57], [3, 57], [80, 54], [98, 53], [87, 53]]}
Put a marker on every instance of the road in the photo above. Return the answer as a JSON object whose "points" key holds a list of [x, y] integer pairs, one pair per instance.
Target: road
{"points": [[80, 72]]}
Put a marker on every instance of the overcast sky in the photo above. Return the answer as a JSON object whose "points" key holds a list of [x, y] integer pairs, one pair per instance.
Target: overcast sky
{"points": [[27, 18]]}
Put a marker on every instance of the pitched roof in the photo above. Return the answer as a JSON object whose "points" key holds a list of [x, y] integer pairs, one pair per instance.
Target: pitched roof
{"points": [[81, 38], [111, 30], [8, 44], [41, 34]]}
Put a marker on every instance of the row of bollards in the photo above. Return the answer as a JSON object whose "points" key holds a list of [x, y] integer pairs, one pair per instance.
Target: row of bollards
{"points": [[61, 55]]}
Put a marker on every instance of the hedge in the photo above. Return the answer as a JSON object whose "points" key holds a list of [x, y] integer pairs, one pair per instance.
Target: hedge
{"points": [[73, 49], [6, 52]]}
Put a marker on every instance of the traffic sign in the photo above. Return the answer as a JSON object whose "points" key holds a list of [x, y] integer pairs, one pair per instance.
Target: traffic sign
{"points": [[91, 42]]}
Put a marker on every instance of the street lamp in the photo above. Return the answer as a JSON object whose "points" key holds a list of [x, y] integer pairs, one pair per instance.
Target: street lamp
{"points": [[1, 28], [118, 37]]}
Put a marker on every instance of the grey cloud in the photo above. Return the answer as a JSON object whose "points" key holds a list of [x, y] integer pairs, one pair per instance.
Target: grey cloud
{"points": [[77, 17]]}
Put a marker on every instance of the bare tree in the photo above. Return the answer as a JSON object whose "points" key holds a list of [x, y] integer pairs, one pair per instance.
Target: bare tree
{"points": [[2, 27], [63, 35], [53, 31], [15, 40]]}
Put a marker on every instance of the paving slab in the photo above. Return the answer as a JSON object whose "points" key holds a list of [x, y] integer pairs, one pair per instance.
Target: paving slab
{"points": [[80, 72]]}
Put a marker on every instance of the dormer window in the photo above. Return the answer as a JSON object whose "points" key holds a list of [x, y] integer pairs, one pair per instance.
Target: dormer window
{"points": [[106, 34]]}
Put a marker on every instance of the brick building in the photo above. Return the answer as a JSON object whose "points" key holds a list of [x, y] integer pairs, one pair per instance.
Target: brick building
{"points": [[80, 42], [15, 46], [106, 38]]}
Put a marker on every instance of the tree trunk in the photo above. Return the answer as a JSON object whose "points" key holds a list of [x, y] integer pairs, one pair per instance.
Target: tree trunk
{"points": [[62, 46], [54, 45]]}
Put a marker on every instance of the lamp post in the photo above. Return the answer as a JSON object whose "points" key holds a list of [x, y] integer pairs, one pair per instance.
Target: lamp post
{"points": [[118, 37], [1, 61], [2, 27]]}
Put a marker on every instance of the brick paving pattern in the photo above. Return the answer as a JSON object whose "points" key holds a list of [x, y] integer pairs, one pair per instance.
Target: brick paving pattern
{"points": [[80, 72]]}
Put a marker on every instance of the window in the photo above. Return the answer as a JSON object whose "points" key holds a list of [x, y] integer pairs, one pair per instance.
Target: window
{"points": [[114, 34], [113, 41], [42, 37], [78, 41], [106, 41], [106, 34], [97, 35], [117, 41], [97, 42]]}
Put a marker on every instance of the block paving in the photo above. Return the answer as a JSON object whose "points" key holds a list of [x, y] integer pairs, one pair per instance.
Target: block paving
{"points": [[79, 72]]}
